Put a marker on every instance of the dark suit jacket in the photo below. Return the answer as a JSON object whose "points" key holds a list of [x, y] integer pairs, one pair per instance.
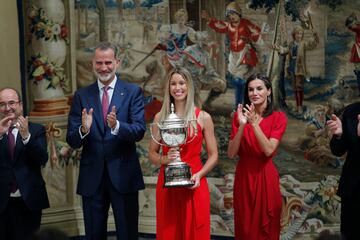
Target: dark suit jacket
{"points": [[26, 167], [101, 148], [349, 186]]}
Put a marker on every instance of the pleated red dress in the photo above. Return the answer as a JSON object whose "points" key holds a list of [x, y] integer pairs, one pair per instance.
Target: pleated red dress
{"points": [[183, 213], [257, 197]]}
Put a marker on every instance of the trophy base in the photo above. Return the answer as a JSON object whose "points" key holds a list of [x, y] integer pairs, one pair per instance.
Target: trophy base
{"points": [[177, 174]]}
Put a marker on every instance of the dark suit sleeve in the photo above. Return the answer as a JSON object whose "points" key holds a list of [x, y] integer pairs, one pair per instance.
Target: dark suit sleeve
{"points": [[36, 148], [73, 137], [339, 146], [134, 129]]}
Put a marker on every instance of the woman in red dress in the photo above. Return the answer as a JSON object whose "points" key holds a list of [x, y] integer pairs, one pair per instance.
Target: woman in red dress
{"points": [[256, 133], [183, 213]]}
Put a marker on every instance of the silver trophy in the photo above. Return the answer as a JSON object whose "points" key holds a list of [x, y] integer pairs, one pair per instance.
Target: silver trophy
{"points": [[173, 132]]}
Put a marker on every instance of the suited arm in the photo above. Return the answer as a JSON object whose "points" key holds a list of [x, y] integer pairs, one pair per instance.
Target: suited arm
{"points": [[36, 148], [134, 129], [3, 148], [338, 145], [73, 137]]}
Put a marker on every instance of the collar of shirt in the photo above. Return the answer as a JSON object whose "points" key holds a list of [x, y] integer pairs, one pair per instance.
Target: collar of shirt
{"points": [[110, 89]]}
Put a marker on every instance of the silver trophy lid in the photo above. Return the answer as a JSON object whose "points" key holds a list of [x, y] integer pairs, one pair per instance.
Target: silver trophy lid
{"points": [[173, 120]]}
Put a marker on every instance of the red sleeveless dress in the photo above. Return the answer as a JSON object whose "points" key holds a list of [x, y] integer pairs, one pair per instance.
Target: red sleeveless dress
{"points": [[257, 197], [183, 213]]}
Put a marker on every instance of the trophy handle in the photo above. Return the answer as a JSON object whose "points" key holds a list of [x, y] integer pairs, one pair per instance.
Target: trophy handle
{"points": [[152, 133]]}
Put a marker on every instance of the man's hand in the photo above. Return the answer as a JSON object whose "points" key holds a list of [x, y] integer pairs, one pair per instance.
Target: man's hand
{"points": [[335, 126], [86, 120], [5, 124], [111, 118], [275, 46], [23, 126]]}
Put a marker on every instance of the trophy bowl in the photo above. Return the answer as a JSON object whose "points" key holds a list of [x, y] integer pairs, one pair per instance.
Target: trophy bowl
{"points": [[173, 133]]}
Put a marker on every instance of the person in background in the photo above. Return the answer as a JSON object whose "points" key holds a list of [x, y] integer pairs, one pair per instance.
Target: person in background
{"points": [[255, 136], [353, 24], [242, 34], [196, 59], [295, 62], [23, 151], [184, 213], [106, 119], [174, 38], [346, 140]]}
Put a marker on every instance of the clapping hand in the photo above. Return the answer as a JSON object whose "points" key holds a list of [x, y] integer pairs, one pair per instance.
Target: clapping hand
{"points": [[250, 114], [23, 126], [86, 120], [111, 118], [241, 117], [5, 124], [335, 126]]}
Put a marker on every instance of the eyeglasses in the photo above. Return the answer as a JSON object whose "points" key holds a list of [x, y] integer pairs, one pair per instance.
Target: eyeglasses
{"points": [[11, 104]]}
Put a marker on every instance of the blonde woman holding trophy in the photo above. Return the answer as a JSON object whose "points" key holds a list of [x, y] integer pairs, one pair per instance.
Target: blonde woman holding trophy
{"points": [[182, 205]]}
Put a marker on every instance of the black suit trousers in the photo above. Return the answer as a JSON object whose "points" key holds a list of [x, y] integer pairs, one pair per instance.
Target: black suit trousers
{"points": [[17, 221], [125, 208]]}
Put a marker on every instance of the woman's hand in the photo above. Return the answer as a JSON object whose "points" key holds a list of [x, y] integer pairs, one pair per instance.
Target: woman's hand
{"points": [[241, 117], [250, 114], [171, 156], [196, 179]]}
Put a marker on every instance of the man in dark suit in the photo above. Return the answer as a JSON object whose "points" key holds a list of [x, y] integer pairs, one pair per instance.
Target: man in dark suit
{"points": [[106, 119], [23, 151], [346, 139]]}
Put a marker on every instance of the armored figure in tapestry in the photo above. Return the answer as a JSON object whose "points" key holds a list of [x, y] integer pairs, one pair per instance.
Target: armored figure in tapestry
{"points": [[196, 59]]}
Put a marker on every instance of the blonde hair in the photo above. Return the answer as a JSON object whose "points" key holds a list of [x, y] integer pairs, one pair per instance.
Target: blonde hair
{"points": [[297, 29], [179, 13], [190, 98]]}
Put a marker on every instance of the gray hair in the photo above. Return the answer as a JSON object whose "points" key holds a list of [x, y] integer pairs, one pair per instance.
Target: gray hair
{"points": [[107, 45]]}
